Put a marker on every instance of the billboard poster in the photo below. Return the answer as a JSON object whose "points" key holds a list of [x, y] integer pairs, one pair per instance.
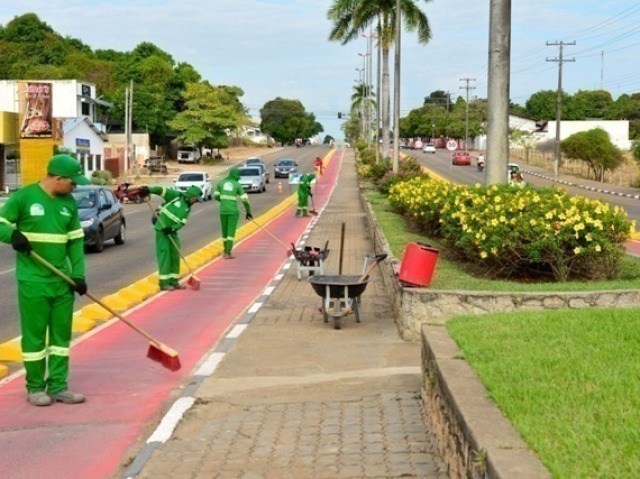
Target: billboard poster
{"points": [[36, 110]]}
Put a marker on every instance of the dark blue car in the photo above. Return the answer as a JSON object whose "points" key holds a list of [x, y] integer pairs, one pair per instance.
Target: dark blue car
{"points": [[101, 216]]}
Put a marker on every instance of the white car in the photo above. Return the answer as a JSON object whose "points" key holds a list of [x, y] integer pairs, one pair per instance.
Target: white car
{"points": [[200, 179], [429, 148]]}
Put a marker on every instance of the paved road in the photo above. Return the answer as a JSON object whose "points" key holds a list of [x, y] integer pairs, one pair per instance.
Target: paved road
{"points": [[119, 266], [440, 163]]}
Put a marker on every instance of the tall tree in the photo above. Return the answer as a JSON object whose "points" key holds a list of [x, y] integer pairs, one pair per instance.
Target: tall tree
{"points": [[210, 112], [352, 17], [285, 120]]}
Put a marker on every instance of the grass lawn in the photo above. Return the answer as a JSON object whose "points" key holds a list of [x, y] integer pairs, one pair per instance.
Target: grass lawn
{"points": [[450, 275], [569, 382]]}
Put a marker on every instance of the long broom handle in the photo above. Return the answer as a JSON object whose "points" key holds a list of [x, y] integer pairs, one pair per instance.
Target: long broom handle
{"points": [[173, 242], [59, 273], [268, 232]]}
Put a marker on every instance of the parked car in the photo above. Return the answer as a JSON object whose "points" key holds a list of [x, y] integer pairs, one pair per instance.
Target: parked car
{"points": [[257, 161], [101, 216], [189, 154], [461, 158], [253, 178], [200, 179], [429, 148], [285, 166]]}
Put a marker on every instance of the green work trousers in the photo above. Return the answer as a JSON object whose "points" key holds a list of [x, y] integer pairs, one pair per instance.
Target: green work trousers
{"points": [[168, 259], [45, 308], [228, 222], [303, 204]]}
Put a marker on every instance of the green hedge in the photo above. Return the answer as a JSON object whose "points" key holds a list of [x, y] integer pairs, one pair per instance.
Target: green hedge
{"points": [[518, 232]]}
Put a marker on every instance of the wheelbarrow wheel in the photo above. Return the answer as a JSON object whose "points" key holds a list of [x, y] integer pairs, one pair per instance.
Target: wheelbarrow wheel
{"points": [[356, 308]]}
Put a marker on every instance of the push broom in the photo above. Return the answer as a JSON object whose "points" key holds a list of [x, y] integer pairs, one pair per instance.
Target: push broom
{"points": [[193, 280], [289, 251], [158, 352]]}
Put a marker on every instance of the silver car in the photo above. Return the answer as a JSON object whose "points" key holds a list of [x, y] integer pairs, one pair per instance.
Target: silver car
{"points": [[253, 179], [257, 161]]}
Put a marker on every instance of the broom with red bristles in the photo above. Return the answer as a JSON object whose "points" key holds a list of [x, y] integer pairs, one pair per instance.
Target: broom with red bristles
{"points": [[158, 352], [193, 280]]}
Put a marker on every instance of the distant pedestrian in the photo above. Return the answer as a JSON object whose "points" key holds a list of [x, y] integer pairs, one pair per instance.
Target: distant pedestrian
{"points": [[227, 192], [319, 165], [172, 216], [43, 217]]}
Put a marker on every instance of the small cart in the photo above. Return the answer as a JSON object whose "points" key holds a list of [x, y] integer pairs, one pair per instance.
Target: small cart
{"points": [[310, 259]]}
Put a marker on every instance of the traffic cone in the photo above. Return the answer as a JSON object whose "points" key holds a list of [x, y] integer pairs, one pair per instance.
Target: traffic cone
{"points": [[279, 190]]}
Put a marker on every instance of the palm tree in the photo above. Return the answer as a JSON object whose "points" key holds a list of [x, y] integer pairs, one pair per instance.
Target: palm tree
{"points": [[352, 17], [360, 100]]}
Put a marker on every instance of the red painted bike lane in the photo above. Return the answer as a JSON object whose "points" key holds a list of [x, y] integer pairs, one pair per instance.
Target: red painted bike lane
{"points": [[126, 392]]}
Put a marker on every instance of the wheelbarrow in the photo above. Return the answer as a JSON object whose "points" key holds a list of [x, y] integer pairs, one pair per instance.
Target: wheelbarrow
{"points": [[341, 293], [310, 259]]}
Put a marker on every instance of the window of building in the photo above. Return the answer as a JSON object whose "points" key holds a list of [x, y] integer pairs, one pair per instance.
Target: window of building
{"points": [[86, 108]]}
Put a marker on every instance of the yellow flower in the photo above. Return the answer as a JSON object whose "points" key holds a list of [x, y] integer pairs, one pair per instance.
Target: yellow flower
{"points": [[483, 254], [577, 250], [598, 247]]}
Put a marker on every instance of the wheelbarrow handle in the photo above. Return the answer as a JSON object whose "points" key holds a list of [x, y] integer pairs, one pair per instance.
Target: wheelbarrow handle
{"points": [[377, 259]]}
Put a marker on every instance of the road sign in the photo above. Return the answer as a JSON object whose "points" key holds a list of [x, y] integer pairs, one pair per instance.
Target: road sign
{"points": [[452, 145]]}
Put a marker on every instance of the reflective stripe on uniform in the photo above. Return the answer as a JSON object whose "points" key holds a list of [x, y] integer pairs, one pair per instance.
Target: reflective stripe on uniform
{"points": [[7, 222], [229, 238], [244, 197], [169, 276], [59, 351], [36, 356], [174, 218], [228, 197], [76, 234], [47, 237]]}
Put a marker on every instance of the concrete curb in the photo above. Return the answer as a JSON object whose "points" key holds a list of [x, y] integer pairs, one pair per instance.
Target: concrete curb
{"points": [[89, 316]]}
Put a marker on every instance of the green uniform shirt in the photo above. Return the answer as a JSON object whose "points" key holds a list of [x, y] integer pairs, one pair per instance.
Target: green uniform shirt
{"points": [[175, 210], [52, 226], [227, 193]]}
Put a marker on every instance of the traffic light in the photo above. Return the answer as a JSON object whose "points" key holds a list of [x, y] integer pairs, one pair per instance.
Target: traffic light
{"points": [[339, 115]]}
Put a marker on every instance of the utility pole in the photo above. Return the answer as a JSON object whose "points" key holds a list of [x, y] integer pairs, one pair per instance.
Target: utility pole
{"points": [[466, 124], [396, 93], [498, 92], [560, 59], [378, 85]]}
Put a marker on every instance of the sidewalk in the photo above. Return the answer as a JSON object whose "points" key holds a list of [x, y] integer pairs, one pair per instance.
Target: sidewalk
{"points": [[290, 396]]}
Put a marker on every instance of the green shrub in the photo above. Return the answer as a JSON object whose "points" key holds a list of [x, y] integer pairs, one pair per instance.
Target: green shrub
{"points": [[521, 232]]}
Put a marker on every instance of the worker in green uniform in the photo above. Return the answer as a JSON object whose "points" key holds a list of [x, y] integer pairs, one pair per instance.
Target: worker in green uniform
{"points": [[172, 216], [227, 193], [43, 217], [304, 192]]}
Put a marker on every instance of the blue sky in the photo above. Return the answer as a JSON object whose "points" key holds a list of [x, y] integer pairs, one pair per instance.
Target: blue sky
{"points": [[273, 48]]}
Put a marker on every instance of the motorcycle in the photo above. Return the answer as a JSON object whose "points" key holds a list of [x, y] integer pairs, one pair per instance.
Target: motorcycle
{"points": [[481, 163], [124, 194]]}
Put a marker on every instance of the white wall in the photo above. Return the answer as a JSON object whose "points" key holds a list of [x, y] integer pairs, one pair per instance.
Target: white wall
{"points": [[96, 146], [618, 130]]}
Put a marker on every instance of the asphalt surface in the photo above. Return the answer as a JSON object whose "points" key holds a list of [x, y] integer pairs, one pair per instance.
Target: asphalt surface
{"points": [[119, 266]]}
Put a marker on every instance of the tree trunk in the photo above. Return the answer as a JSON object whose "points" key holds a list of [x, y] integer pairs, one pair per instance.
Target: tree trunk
{"points": [[386, 103]]}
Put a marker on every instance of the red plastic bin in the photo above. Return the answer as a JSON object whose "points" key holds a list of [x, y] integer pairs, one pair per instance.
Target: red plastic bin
{"points": [[418, 264]]}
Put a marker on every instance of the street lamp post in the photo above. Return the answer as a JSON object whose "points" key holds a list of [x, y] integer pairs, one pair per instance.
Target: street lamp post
{"points": [[365, 106]]}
